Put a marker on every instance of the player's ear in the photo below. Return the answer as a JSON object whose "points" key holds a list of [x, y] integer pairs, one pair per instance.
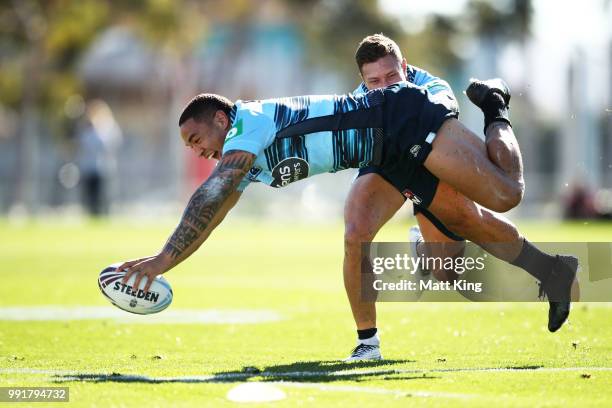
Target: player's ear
{"points": [[404, 65], [221, 119]]}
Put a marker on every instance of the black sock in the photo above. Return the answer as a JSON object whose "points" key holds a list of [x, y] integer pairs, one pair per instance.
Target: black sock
{"points": [[366, 333], [495, 110], [534, 261]]}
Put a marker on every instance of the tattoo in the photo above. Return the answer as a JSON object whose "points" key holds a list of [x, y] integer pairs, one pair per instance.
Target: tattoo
{"points": [[208, 199]]}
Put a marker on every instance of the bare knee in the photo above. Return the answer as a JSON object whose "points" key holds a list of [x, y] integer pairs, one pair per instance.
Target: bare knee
{"points": [[359, 225], [370, 203], [517, 193], [356, 233], [508, 197]]}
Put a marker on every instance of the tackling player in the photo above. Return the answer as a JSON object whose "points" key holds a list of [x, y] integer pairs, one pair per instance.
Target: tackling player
{"points": [[380, 63], [399, 128], [371, 202]]}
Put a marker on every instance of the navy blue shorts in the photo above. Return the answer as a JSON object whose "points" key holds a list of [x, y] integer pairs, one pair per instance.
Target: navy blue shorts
{"points": [[411, 120], [424, 188]]}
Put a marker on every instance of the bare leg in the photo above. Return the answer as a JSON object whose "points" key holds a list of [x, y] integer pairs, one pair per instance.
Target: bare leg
{"points": [[492, 97], [459, 159], [371, 202], [481, 226], [504, 151], [478, 224]]}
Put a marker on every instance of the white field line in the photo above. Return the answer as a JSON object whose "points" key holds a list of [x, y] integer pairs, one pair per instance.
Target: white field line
{"points": [[185, 316], [71, 375]]}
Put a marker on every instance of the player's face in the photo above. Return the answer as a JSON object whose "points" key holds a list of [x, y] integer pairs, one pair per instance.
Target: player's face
{"points": [[206, 137], [383, 72]]}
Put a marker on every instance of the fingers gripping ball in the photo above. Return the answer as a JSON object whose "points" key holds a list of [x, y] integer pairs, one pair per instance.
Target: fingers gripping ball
{"points": [[134, 300]]}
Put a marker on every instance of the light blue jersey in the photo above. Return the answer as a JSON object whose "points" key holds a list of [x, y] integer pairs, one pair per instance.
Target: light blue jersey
{"points": [[437, 87], [390, 129], [298, 137]]}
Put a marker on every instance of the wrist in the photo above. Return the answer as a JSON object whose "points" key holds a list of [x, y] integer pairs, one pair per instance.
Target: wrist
{"points": [[165, 260]]}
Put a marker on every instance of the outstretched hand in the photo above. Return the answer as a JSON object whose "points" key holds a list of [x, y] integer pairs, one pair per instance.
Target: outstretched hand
{"points": [[149, 268]]}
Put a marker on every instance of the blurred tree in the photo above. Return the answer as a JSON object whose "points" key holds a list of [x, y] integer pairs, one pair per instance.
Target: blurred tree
{"points": [[334, 28], [495, 23], [46, 37], [55, 33], [433, 48], [437, 48], [41, 43], [510, 20]]}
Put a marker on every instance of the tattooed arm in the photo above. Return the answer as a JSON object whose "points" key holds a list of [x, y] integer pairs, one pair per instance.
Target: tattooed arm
{"points": [[205, 210], [208, 205]]}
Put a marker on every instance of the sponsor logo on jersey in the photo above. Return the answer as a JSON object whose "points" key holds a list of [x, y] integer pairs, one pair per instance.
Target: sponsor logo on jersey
{"points": [[253, 173], [234, 131], [414, 150], [288, 171], [412, 197]]}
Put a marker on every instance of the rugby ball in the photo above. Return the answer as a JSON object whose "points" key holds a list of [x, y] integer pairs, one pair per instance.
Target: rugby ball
{"points": [[134, 300]]}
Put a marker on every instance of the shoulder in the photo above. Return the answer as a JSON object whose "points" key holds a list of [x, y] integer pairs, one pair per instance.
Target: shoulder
{"points": [[419, 76], [250, 116], [361, 89], [252, 130]]}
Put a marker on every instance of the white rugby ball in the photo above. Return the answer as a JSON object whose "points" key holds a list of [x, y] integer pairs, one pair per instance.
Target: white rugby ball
{"points": [[134, 300]]}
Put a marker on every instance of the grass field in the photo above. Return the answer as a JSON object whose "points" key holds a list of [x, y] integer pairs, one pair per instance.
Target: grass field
{"points": [[437, 354]]}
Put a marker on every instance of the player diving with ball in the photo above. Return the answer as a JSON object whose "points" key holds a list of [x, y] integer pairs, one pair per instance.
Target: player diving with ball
{"points": [[402, 130]]}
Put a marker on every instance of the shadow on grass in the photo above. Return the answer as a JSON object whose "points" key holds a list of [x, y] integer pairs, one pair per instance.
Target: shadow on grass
{"points": [[323, 371], [304, 371]]}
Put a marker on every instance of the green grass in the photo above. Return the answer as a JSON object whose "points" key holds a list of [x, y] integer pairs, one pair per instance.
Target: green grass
{"points": [[295, 271]]}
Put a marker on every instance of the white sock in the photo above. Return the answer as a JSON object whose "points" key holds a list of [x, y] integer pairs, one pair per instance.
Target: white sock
{"points": [[372, 341]]}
